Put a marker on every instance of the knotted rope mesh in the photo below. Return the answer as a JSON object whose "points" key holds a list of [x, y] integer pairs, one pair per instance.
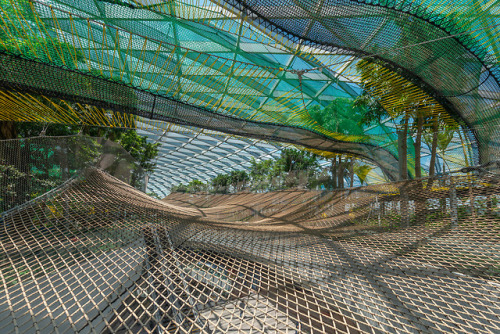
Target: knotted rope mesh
{"points": [[96, 255], [82, 250]]}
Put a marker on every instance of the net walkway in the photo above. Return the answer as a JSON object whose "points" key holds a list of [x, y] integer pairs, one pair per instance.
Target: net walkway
{"points": [[97, 255], [84, 249]]}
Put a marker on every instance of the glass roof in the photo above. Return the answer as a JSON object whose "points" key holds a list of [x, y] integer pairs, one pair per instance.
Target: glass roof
{"points": [[188, 154]]}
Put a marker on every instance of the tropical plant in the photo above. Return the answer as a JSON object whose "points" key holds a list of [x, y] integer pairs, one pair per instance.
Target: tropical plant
{"points": [[154, 195], [238, 179], [140, 149], [195, 186], [260, 173], [340, 116], [220, 183], [294, 164], [180, 188], [296, 160], [362, 171]]}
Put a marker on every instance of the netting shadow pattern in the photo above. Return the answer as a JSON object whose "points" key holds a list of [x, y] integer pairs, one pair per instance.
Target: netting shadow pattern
{"points": [[82, 249], [97, 255]]}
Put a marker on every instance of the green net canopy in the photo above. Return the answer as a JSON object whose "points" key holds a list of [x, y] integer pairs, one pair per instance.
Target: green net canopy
{"points": [[253, 74]]}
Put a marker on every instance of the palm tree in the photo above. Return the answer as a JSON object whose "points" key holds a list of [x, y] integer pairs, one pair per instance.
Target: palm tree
{"points": [[362, 171], [340, 116]]}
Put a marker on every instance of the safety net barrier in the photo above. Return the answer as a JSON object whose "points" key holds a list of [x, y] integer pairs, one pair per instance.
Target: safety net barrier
{"points": [[409, 87], [191, 153], [33, 166], [96, 255]]}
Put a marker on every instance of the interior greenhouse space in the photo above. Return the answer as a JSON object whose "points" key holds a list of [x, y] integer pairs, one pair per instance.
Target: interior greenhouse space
{"points": [[249, 166]]}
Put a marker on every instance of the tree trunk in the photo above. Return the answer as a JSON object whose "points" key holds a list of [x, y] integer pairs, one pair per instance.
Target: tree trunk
{"points": [[443, 200], [418, 146], [334, 172], [420, 202], [472, 200], [351, 172], [432, 164], [403, 151], [403, 173], [340, 174], [489, 205]]}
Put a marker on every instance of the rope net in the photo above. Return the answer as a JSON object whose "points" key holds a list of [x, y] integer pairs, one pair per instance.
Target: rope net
{"points": [[254, 68], [83, 249], [31, 167], [97, 255]]}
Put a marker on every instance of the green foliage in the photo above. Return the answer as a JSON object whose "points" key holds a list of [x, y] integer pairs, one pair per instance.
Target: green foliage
{"points": [[20, 34], [12, 9], [42, 167], [221, 182], [445, 137], [374, 112], [238, 179], [293, 168], [154, 195], [362, 171], [135, 144], [34, 129], [296, 160], [264, 174], [260, 170], [341, 116], [180, 188], [9, 177], [261, 173], [347, 116], [140, 149], [382, 89], [195, 186]]}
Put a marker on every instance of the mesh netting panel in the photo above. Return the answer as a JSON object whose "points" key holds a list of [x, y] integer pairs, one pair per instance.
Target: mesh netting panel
{"points": [[462, 71], [387, 258], [36, 78], [31, 167], [82, 250]]}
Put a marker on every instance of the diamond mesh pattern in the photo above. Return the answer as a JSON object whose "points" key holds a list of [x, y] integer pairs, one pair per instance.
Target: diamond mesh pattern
{"points": [[82, 249], [96, 255]]}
